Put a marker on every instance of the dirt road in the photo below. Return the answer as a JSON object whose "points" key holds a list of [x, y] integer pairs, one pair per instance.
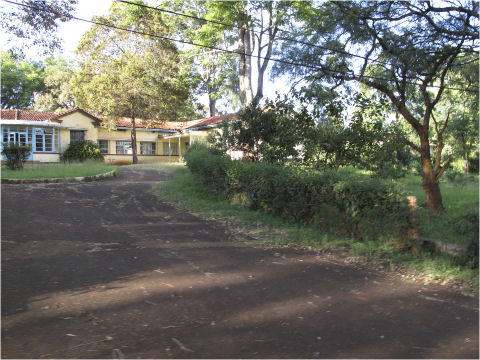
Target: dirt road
{"points": [[102, 270]]}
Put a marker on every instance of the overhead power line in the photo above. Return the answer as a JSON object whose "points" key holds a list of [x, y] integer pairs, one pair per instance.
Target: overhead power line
{"points": [[233, 26], [249, 29], [352, 76]]}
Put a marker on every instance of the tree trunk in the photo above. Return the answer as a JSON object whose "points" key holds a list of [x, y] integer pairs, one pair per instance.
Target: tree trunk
{"points": [[134, 140], [466, 166], [212, 105], [245, 66], [430, 182]]}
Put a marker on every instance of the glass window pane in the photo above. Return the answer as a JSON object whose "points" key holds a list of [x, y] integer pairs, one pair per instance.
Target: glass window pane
{"points": [[39, 142], [5, 135], [77, 135], [147, 148], [48, 142], [103, 145], [124, 147]]}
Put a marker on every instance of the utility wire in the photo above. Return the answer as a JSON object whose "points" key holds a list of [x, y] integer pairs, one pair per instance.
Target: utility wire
{"points": [[352, 76], [338, 51], [249, 29]]}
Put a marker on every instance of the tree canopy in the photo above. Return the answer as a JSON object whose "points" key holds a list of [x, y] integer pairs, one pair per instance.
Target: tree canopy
{"points": [[35, 23], [21, 80], [125, 73], [404, 50]]}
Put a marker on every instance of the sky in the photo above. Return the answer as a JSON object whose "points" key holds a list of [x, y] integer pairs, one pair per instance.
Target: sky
{"points": [[71, 32]]}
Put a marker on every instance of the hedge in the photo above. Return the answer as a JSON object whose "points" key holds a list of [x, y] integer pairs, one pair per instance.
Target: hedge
{"points": [[362, 207]]}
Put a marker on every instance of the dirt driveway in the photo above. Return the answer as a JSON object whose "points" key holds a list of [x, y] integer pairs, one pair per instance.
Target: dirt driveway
{"points": [[102, 270]]}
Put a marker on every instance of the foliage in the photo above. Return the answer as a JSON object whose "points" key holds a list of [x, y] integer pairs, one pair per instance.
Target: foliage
{"points": [[36, 23], [301, 195], [16, 155], [267, 230], [381, 146], [253, 31], [468, 224], [406, 51], [271, 134], [57, 93], [126, 74], [462, 106], [210, 164], [21, 79], [82, 150], [461, 196], [215, 72]]}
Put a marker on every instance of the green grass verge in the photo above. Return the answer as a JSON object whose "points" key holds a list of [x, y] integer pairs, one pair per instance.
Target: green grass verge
{"points": [[58, 170], [459, 199], [262, 229]]}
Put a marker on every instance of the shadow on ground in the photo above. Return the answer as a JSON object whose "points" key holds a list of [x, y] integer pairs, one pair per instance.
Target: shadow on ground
{"points": [[101, 270]]}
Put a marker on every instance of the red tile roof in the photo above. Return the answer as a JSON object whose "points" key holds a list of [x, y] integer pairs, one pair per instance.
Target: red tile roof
{"points": [[213, 120], [173, 125], [9, 114]]}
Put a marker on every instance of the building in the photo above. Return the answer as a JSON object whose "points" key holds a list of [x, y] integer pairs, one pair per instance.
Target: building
{"points": [[49, 134]]}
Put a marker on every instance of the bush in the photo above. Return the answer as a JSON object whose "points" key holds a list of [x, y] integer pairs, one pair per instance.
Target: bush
{"points": [[16, 155], [368, 207], [81, 151], [209, 164], [468, 224]]}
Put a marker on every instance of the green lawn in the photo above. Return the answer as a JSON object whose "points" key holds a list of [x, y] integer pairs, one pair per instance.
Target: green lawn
{"points": [[58, 170], [460, 199]]}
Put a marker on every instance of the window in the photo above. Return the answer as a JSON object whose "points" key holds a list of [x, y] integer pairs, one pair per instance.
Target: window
{"points": [[124, 147], [77, 135], [148, 148], [103, 145], [46, 139], [170, 149]]}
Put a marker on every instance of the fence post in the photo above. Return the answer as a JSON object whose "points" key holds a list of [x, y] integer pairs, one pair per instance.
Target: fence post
{"points": [[412, 218]]}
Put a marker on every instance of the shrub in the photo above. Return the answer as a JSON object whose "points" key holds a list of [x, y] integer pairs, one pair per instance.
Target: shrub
{"points": [[81, 151], [468, 224], [368, 207], [209, 165], [16, 155]]}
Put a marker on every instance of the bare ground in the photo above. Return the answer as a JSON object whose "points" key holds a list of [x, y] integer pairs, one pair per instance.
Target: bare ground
{"points": [[106, 270]]}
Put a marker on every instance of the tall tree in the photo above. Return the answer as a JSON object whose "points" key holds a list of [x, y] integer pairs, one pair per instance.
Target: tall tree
{"points": [[35, 22], [21, 80], [217, 70], [253, 25], [57, 94], [463, 107], [404, 50], [124, 73]]}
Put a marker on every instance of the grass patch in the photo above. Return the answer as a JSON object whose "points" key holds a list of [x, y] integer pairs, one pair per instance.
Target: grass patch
{"points": [[262, 229], [460, 200], [57, 170]]}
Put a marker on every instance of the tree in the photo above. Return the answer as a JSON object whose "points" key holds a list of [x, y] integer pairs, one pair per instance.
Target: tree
{"points": [[253, 25], [463, 108], [404, 50], [57, 94], [272, 134], [35, 22], [21, 79], [124, 73]]}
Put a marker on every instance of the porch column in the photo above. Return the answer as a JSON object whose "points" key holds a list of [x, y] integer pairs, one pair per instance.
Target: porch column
{"points": [[169, 150], [179, 148]]}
